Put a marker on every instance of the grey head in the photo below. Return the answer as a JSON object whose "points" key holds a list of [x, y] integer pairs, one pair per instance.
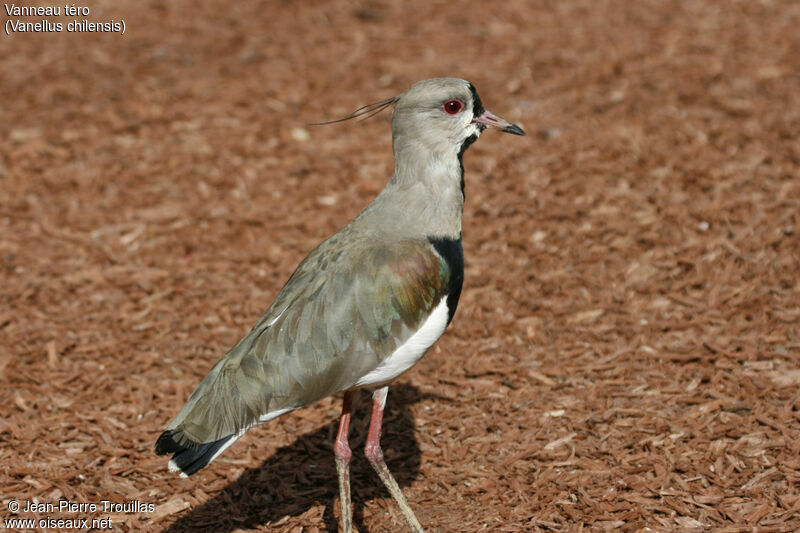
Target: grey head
{"points": [[440, 114], [433, 123]]}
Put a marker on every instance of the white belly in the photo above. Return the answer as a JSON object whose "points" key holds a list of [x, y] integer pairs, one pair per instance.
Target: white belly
{"points": [[407, 354]]}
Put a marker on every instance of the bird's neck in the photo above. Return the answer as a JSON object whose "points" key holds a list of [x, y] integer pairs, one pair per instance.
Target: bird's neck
{"points": [[426, 191]]}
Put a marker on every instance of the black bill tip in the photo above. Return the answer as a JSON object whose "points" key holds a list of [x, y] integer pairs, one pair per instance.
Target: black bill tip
{"points": [[513, 129]]}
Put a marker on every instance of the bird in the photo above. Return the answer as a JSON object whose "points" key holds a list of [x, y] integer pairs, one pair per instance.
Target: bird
{"points": [[363, 307]]}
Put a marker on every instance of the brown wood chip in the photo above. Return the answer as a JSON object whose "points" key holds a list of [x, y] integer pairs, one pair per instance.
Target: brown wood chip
{"points": [[626, 352]]}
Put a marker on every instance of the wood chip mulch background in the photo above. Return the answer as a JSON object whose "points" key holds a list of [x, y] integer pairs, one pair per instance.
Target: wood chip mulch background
{"points": [[626, 353]]}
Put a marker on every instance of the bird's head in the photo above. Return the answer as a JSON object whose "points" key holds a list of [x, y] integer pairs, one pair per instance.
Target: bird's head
{"points": [[442, 113], [434, 121]]}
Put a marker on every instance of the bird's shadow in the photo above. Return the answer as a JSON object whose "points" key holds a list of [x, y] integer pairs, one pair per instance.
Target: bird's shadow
{"points": [[303, 473]]}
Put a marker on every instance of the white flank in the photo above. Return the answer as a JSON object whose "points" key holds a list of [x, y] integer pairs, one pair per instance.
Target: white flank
{"points": [[406, 355], [274, 414]]}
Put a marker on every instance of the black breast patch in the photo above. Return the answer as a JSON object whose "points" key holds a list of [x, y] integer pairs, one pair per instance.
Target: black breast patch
{"points": [[453, 254]]}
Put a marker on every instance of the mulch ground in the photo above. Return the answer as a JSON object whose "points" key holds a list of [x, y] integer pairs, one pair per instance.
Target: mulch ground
{"points": [[626, 353]]}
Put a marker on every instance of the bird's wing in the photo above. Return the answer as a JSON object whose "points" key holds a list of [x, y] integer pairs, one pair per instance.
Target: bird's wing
{"points": [[343, 311]]}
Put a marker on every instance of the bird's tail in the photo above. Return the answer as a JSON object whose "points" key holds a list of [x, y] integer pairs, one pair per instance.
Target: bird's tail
{"points": [[190, 457]]}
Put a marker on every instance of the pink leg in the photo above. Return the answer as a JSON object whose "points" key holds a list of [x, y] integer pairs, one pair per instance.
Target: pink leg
{"points": [[341, 448], [375, 456]]}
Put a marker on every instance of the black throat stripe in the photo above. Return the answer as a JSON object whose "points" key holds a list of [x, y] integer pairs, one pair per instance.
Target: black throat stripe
{"points": [[466, 144]]}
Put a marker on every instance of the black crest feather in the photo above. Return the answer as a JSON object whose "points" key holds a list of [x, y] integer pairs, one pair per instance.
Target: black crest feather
{"points": [[364, 112]]}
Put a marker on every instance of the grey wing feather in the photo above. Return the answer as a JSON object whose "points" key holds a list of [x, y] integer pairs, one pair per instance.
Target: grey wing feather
{"points": [[337, 317]]}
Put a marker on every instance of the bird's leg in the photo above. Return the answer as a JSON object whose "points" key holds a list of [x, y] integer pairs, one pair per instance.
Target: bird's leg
{"points": [[375, 456], [341, 448]]}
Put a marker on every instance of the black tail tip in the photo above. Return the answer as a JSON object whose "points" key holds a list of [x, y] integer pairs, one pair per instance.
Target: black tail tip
{"points": [[191, 457], [166, 443]]}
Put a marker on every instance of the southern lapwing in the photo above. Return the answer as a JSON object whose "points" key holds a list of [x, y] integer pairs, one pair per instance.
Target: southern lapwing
{"points": [[363, 307]]}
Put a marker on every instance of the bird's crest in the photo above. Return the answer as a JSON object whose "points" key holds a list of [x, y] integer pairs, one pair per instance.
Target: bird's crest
{"points": [[364, 112]]}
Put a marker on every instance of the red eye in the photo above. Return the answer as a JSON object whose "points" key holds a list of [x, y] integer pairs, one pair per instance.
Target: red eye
{"points": [[453, 107]]}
